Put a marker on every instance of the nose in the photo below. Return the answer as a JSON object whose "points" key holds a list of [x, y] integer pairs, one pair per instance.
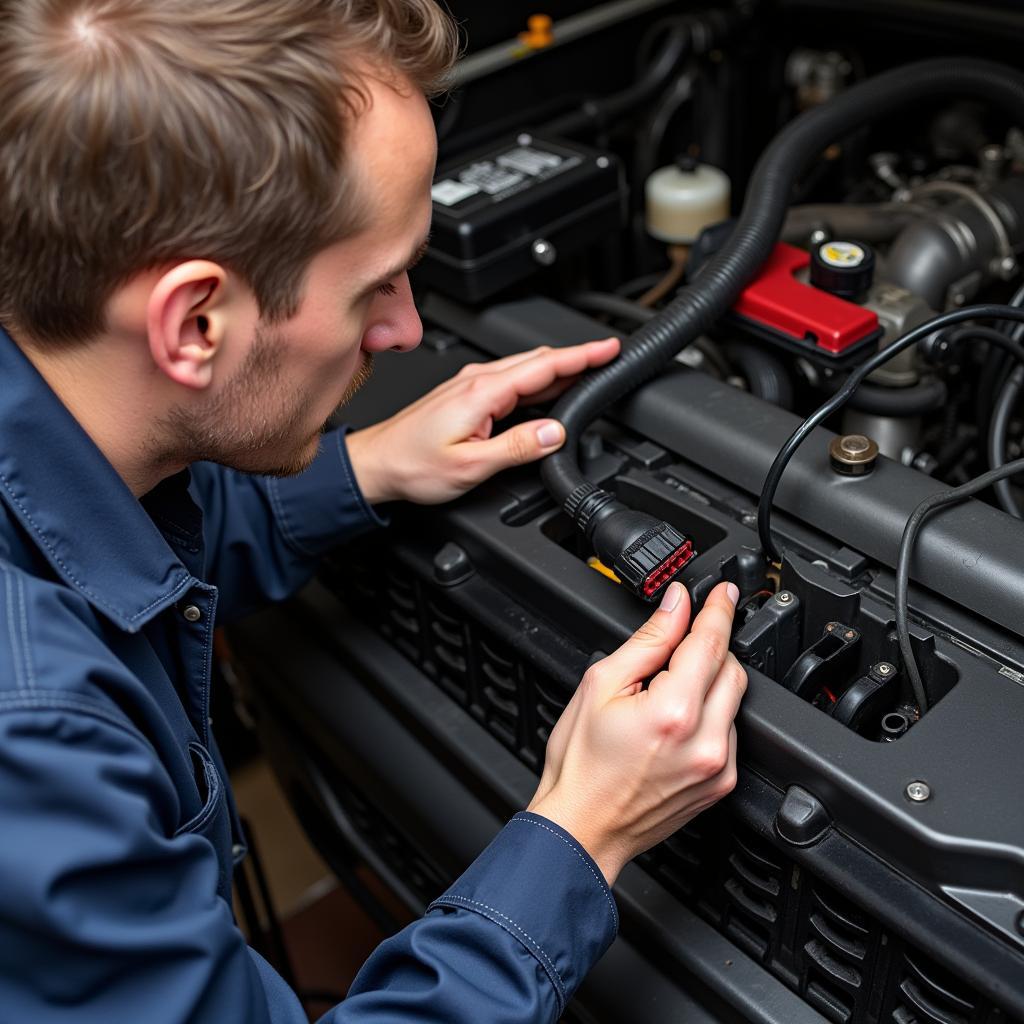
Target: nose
{"points": [[394, 324]]}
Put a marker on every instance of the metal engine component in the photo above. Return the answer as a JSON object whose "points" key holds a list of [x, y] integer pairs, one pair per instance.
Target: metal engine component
{"points": [[946, 257]]}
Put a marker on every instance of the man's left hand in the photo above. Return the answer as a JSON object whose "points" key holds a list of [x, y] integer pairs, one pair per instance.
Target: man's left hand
{"points": [[442, 445]]}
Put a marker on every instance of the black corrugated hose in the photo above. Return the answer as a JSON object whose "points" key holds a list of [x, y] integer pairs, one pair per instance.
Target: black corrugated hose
{"points": [[699, 305]]}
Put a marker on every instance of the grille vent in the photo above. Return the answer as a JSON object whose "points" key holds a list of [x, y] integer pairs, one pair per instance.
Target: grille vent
{"points": [[828, 950]]}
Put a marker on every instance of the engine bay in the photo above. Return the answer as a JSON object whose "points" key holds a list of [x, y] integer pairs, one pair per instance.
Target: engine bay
{"points": [[871, 862]]}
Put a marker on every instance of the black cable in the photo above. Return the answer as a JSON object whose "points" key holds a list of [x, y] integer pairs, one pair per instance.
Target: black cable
{"points": [[600, 113], [999, 428], [1006, 400], [999, 424], [838, 400], [902, 402], [697, 306], [910, 531]]}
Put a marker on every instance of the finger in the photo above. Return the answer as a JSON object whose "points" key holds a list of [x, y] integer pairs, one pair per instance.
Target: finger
{"points": [[560, 385], [497, 365], [698, 659], [724, 698], [501, 392], [523, 443], [649, 647], [545, 351]]}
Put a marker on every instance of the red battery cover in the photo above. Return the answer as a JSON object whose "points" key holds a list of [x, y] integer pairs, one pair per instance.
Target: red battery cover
{"points": [[776, 300]]}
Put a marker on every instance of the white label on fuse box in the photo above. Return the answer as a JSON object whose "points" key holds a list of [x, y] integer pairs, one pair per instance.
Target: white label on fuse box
{"points": [[449, 192], [529, 161]]}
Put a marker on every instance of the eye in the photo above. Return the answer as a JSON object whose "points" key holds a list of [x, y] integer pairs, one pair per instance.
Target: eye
{"points": [[387, 289]]}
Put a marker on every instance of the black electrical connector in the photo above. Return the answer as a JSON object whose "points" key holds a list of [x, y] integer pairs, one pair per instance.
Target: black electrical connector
{"points": [[645, 553]]}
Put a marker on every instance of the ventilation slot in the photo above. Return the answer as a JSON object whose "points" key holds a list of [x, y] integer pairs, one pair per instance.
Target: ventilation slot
{"points": [[930, 995], [448, 647], [681, 862], [548, 705], [403, 621], [753, 887], [499, 694], [837, 939]]}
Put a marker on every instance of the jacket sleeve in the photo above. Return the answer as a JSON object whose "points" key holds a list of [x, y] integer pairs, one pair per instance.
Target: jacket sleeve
{"points": [[108, 913], [263, 535]]}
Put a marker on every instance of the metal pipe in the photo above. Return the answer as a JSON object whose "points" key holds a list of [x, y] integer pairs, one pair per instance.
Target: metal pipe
{"points": [[503, 55]]}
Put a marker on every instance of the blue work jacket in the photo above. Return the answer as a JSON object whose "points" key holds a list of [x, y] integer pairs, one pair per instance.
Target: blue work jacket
{"points": [[117, 833]]}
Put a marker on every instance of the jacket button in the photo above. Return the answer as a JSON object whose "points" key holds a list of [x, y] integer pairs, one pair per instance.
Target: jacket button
{"points": [[192, 613]]}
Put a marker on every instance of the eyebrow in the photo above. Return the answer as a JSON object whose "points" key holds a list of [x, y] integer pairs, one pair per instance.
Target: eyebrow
{"points": [[418, 253]]}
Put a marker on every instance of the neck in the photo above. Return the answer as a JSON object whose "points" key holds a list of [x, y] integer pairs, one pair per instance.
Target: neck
{"points": [[114, 413]]}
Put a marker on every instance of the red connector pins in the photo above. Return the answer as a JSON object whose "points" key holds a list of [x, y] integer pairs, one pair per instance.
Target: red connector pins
{"points": [[643, 552], [667, 570]]}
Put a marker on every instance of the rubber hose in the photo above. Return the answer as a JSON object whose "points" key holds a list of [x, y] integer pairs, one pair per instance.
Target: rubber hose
{"points": [[612, 304], [766, 374], [997, 432], [599, 113], [916, 400], [697, 306]]}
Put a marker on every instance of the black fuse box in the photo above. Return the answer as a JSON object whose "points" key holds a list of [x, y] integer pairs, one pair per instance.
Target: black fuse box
{"points": [[502, 213]]}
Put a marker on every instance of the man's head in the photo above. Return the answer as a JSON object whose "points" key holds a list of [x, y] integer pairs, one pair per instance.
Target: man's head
{"points": [[243, 183]]}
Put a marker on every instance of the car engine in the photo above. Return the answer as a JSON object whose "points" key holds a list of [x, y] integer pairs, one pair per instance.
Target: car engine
{"points": [[805, 219]]}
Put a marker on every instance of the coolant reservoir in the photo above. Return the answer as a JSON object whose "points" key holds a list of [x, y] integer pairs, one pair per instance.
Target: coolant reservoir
{"points": [[685, 198]]}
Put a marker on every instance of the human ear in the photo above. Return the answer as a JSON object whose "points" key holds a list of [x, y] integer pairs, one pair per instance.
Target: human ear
{"points": [[185, 321]]}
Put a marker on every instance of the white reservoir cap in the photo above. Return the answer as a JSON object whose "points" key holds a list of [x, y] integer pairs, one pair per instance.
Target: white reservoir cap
{"points": [[682, 201]]}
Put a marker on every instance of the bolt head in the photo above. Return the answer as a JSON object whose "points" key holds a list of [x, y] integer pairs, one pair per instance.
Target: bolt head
{"points": [[830, 626], [524, 139], [602, 162], [544, 252], [850, 634], [818, 236], [919, 792], [852, 454], [884, 668], [783, 597]]}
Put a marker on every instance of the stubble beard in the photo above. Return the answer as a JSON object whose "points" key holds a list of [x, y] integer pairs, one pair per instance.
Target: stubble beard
{"points": [[249, 426]]}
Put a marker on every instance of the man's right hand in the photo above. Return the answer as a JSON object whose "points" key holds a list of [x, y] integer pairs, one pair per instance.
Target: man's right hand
{"points": [[627, 766]]}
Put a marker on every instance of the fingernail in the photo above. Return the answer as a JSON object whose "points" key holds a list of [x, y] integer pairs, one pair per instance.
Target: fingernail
{"points": [[550, 434], [734, 592], [671, 597]]}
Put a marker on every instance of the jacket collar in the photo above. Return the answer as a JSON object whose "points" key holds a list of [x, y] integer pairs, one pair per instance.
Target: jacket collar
{"points": [[70, 500]]}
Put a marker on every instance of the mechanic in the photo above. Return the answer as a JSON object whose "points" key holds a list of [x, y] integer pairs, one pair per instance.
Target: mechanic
{"points": [[208, 213]]}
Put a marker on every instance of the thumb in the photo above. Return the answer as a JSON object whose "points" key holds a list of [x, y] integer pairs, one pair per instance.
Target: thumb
{"points": [[525, 442], [651, 646]]}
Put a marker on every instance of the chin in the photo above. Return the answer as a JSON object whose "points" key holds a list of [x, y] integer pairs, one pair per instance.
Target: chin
{"points": [[292, 463]]}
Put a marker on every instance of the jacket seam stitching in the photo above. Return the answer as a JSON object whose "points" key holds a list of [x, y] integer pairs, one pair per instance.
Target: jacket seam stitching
{"points": [[95, 598], [26, 649], [11, 631], [282, 520], [508, 924], [41, 700], [601, 884]]}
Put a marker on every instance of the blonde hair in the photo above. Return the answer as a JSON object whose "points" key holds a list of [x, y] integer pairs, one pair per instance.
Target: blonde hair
{"points": [[138, 132]]}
